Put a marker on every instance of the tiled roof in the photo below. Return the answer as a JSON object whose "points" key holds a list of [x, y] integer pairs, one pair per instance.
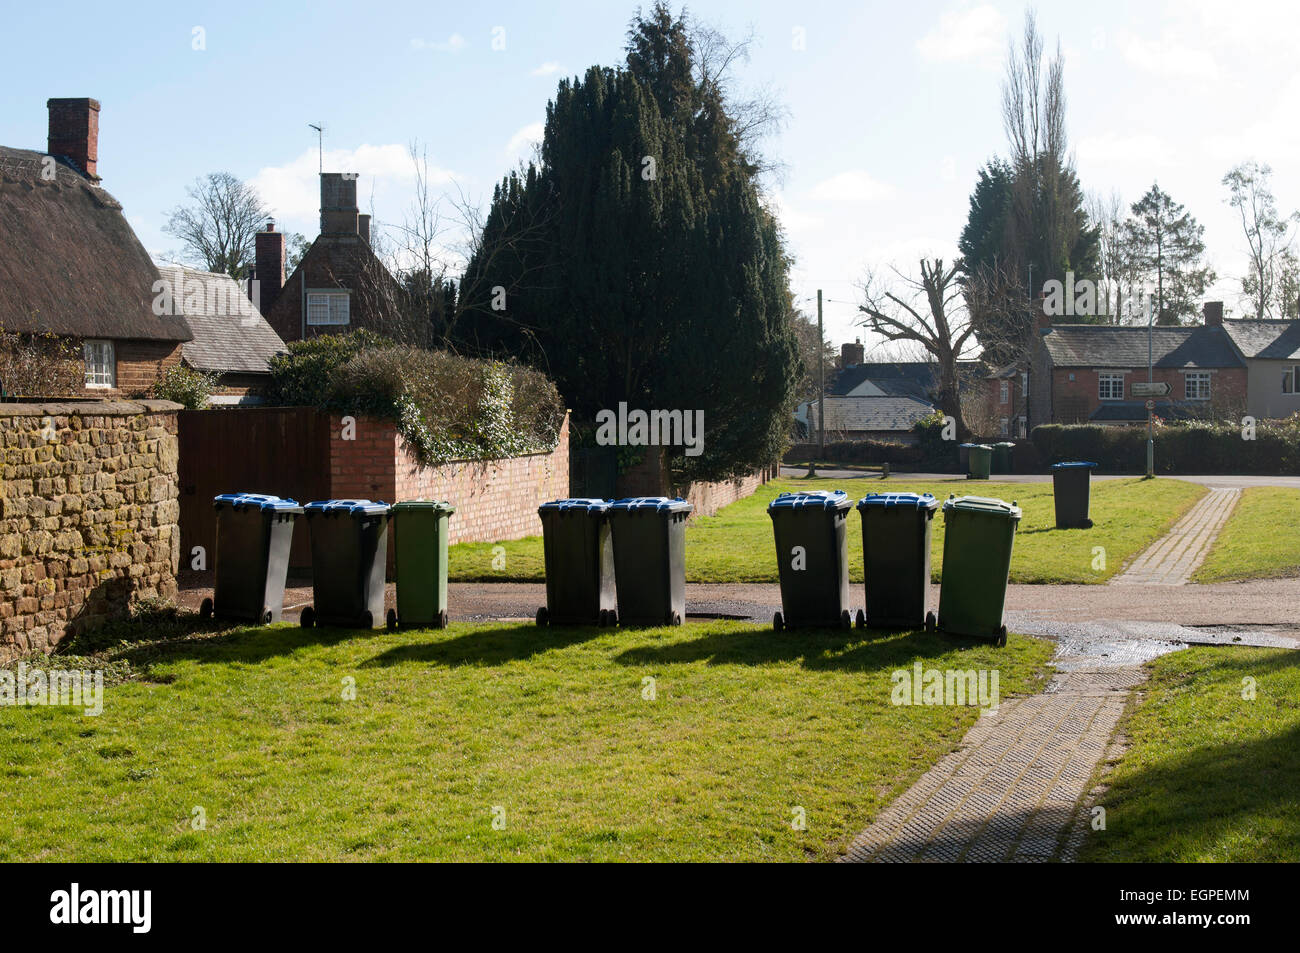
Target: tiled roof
{"points": [[230, 335], [916, 378], [1269, 340], [870, 413], [1107, 345]]}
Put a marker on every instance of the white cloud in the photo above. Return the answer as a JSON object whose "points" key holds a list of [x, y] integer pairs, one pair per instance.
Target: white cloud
{"points": [[1140, 150], [549, 68], [1171, 55], [966, 33], [453, 44], [524, 140], [854, 185]]}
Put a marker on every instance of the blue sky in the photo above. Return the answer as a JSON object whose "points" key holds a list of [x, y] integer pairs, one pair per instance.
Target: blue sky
{"points": [[893, 107]]}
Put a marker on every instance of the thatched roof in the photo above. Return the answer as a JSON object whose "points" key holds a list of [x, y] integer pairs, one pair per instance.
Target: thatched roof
{"points": [[230, 335], [69, 262]]}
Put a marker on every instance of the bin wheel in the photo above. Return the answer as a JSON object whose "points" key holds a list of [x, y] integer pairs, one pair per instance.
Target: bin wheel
{"points": [[602, 618], [308, 618], [778, 622], [846, 620], [267, 616], [677, 618], [613, 617], [931, 623], [442, 619], [543, 616], [205, 609], [1087, 524], [862, 619], [366, 620], [1001, 640], [391, 620]]}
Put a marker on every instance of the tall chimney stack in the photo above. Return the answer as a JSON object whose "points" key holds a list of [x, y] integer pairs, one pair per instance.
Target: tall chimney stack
{"points": [[268, 248], [851, 355], [74, 133], [338, 203], [1213, 314], [363, 227]]}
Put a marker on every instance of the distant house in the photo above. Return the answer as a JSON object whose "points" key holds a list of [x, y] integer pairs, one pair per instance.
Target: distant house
{"points": [[340, 284], [71, 266], [1271, 351], [231, 338], [1007, 390], [1084, 373]]}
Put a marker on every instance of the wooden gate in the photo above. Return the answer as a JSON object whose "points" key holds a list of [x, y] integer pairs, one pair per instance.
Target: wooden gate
{"points": [[280, 450]]}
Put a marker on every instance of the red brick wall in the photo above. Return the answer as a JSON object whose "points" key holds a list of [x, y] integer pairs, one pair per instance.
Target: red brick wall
{"points": [[1073, 401], [139, 365], [651, 477]]}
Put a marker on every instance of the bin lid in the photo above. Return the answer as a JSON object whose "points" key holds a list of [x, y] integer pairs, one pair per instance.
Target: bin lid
{"points": [[354, 507], [980, 446], [922, 501], [967, 446], [652, 504], [576, 504], [262, 501], [811, 499], [982, 504], [435, 506], [1005, 443], [1073, 465]]}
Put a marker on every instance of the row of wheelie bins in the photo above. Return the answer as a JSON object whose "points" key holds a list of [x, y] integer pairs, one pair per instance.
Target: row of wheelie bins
{"points": [[349, 549], [812, 554]]}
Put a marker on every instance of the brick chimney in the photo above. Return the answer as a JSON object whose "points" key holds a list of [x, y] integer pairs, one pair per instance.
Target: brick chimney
{"points": [[74, 133], [338, 203], [1213, 314], [1042, 320], [851, 355], [363, 227], [269, 265]]}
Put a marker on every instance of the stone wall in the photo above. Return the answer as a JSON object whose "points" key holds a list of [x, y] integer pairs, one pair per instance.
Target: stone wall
{"points": [[88, 516]]}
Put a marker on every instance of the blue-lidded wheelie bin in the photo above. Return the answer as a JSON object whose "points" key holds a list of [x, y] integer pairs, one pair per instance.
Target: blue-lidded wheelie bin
{"points": [[896, 558], [349, 552], [250, 557], [650, 559], [578, 552], [812, 558]]}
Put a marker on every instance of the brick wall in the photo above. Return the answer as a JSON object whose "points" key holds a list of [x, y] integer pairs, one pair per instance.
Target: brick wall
{"points": [[1073, 401], [651, 477], [88, 516], [494, 499], [139, 365]]}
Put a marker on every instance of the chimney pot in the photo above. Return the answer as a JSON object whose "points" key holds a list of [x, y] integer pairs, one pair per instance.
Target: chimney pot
{"points": [[74, 133]]}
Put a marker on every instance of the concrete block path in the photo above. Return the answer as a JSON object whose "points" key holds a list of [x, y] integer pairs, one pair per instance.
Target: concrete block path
{"points": [[1171, 560]]}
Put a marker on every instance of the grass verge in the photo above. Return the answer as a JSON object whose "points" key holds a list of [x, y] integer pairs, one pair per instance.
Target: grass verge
{"points": [[1256, 542]]}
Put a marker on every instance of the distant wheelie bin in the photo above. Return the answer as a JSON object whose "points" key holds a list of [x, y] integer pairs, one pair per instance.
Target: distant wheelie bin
{"points": [[578, 553], [420, 557], [978, 536], [250, 557], [650, 559], [1002, 457], [896, 558], [980, 461], [1071, 488], [812, 558], [349, 553]]}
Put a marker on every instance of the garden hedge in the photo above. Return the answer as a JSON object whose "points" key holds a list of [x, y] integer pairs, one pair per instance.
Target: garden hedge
{"points": [[1192, 447]]}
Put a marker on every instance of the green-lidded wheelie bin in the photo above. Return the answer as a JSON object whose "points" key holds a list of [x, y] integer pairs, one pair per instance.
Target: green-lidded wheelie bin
{"points": [[250, 556], [812, 558], [981, 461], [650, 559], [963, 457], [578, 552], [978, 536], [1071, 490], [896, 558], [349, 553], [1002, 457], [420, 554]]}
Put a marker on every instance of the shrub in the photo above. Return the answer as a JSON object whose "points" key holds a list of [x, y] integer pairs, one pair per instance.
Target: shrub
{"points": [[1184, 447], [39, 365], [187, 387]]}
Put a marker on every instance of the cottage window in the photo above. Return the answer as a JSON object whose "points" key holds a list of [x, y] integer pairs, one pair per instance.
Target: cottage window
{"points": [[1004, 392], [1198, 385], [1289, 380], [327, 307], [1005, 426], [1110, 386], [101, 364]]}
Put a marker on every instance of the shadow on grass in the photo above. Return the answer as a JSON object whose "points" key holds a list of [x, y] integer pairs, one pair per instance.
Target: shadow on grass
{"points": [[242, 644], [853, 650], [488, 646]]}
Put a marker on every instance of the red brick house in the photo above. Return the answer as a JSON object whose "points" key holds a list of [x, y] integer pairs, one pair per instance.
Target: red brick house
{"points": [[72, 267], [340, 284], [1084, 373], [1007, 392]]}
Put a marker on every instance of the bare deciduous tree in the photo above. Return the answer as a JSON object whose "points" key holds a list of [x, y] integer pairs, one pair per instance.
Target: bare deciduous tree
{"points": [[1269, 236], [217, 230]]}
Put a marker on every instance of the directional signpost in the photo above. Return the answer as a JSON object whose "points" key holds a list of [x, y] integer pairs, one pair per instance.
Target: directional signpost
{"points": [[1149, 388]]}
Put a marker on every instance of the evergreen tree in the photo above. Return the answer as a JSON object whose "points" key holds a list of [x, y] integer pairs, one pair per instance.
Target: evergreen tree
{"points": [[1166, 250]]}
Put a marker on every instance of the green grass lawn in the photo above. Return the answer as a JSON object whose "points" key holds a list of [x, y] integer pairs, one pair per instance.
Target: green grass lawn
{"points": [[548, 727], [1210, 776], [736, 545], [1257, 541]]}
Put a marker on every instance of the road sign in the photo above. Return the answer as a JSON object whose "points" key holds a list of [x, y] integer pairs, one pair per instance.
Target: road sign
{"points": [[1151, 405], [1152, 389]]}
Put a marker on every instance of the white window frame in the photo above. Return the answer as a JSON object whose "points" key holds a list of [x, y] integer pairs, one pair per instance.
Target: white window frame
{"points": [[100, 358], [1004, 392], [1289, 378], [337, 308], [1109, 379], [1005, 424], [1199, 377]]}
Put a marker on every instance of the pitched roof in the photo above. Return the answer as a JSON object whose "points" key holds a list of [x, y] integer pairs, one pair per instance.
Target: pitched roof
{"points": [[871, 413], [230, 335], [1109, 345], [1268, 340], [69, 262], [902, 378]]}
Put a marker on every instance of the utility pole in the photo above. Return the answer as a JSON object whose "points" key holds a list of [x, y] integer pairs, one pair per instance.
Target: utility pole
{"points": [[1151, 445], [821, 380]]}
